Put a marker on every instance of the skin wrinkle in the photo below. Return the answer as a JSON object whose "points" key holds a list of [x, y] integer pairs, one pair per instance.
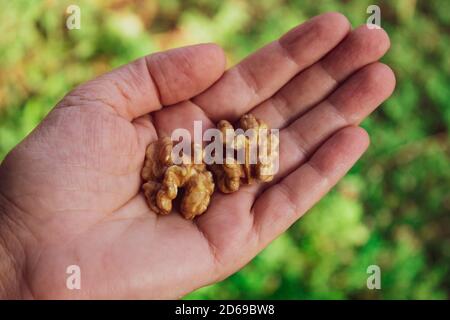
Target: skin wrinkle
{"points": [[216, 261], [123, 92], [11, 202], [300, 142], [27, 272], [335, 82], [280, 105], [153, 82], [287, 54], [182, 66], [185, 64], [107, 100], [286, 191], [159, 75], [17, 211], [90, 140], [322, 177], [339, 114], [12, 252], [248, 78], [138, 75], [82, 99], [142, 215]]}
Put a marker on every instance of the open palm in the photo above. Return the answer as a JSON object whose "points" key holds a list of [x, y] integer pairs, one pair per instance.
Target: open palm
{"points": [[72, 187]]}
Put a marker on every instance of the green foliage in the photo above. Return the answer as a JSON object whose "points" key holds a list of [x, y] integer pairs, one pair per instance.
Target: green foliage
{"points": [[392, 209]]}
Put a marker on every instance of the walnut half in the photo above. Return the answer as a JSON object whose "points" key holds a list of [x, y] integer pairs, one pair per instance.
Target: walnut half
{"points": [[164, 179], [230, 175]]}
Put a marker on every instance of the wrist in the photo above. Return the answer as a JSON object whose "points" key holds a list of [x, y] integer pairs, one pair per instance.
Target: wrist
{"points": [[12, 256]]}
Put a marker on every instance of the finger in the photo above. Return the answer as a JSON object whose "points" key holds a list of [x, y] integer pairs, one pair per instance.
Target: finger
{"points": [[261, 74], [349, 105], [282, 204], [354, 100], [148, 83], [363, 46]]}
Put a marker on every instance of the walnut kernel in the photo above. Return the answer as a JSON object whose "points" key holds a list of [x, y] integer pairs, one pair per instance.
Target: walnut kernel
{"points": [[164, 179]]}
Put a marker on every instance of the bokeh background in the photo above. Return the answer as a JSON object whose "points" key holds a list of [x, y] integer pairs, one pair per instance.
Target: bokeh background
{"points": [[391, 210]]}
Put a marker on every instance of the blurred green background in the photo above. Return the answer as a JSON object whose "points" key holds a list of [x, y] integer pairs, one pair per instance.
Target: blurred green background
{"points": [[391, 210]]}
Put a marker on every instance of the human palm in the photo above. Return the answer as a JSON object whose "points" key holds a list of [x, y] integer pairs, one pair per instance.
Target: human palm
{"points": [[72, 187]]}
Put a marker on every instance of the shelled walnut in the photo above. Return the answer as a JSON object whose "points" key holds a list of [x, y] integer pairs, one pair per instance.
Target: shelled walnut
{"points": [[164, 179], [232, 174], [265, 140], [228, 175]]}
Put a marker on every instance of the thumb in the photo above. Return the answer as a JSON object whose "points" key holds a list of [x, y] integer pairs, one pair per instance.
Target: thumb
{"points": [[147, 84]]}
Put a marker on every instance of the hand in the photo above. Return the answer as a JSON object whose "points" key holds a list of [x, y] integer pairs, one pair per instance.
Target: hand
{"points": [[70, 192]]}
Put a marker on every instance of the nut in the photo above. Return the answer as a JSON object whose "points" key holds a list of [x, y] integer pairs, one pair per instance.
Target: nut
{"points": [[231, 174], [228, 175], [253, 171], [197, 194], [150, 190], [165, 179], [267, 142], [158, 157]]}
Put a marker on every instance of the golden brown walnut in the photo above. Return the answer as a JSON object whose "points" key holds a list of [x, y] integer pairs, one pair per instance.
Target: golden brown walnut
{"points": [[227, 131], [264, 171], [228, 175], [158, 157], [198, 187], [150, 190], [197, 194], [164, 179], [266, 142], [231, 174]]}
